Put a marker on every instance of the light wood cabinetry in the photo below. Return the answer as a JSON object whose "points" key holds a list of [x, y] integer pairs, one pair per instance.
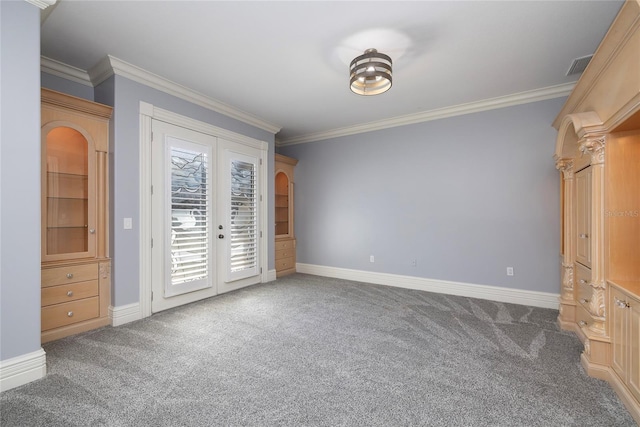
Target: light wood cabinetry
{"points": [[285, 246], [75, 278], [598, 152], [583, 216], [625, 336]]}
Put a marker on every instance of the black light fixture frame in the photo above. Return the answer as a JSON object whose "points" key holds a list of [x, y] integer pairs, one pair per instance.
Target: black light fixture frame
{"points": [[371, 73]]}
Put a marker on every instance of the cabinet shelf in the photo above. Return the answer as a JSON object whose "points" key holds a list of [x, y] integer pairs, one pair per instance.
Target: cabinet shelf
{"points": [[56, 174], [66, 198]]}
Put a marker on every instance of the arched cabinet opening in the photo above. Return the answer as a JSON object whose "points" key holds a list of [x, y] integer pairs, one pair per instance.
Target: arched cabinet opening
{"points": [[283, 225], [285, 242], [66, 205]]}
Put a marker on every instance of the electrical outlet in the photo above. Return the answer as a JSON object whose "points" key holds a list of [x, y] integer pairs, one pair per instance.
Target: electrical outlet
{"points": [[371, 259], [414, 262], [509, 271]]}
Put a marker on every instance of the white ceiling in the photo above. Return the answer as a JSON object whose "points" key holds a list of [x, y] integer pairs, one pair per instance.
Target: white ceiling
{"points": [[287, 62]]}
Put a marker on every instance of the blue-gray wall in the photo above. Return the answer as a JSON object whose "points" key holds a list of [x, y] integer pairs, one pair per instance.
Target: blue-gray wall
{"points": [[124, 156], [19, 179], [465, 196], [66, 86]]}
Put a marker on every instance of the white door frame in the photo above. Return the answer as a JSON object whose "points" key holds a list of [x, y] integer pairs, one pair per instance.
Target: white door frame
{"points": [[148, 113]]}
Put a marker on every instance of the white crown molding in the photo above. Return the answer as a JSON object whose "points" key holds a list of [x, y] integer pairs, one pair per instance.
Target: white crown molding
{"points": [[111, 65], [23, 369], [42, 4], [440, 113], [202, 127], [470, 290], [67, 72]]}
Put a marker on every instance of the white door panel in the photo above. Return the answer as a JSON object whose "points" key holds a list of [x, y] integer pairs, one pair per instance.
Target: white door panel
{"points": [[239, 213], [183, 214]]}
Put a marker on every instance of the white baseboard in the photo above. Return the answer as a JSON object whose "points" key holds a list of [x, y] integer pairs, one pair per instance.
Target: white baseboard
{"points": [[124, 314], [23, 369], [271, 275], [493, 293]]}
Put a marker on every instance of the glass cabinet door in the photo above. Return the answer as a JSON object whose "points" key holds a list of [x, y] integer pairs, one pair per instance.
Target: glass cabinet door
{"points": [[282, 204], [68, 204]]}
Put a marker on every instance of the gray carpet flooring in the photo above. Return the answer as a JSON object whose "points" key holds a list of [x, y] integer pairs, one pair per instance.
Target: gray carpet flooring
{"points": [[312, 351]]}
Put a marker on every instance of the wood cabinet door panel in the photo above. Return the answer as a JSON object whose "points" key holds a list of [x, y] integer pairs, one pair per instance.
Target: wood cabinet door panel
{"points": [[583, 216], [634, 348], [619, 332]]}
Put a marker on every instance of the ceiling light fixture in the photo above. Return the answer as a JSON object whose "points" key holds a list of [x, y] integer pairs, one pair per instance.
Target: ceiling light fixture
{"points": [[370, 73]]}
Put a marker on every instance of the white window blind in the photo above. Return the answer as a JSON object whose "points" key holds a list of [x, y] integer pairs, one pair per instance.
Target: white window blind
{"points": [[190, 195], [243, 225]]}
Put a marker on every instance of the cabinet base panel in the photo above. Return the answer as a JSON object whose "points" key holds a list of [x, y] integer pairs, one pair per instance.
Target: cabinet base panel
{"points": [[607, 374], [285, 272], [567, 317], [595, 370], [65, 331]]}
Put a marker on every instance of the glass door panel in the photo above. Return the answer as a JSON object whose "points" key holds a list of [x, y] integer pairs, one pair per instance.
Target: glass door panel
{"points": [[68, 205], [282, 204]]}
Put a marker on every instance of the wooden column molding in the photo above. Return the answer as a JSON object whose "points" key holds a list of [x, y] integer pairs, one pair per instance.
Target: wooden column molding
{"points": [[594, 146], [567, 315]]}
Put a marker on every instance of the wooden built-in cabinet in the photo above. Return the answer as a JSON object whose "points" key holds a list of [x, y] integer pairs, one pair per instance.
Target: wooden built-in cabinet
{"points": [[598, 152], [285, 246], [625, 335], [583, 216], [76, 269]]}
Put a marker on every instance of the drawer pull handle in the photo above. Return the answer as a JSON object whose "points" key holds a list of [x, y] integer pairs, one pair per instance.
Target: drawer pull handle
{"points": [[582, 281], [584, 300], [584, 236], [69, 275], [582, 323], [70, 314], [70, 293], [621, 304]]}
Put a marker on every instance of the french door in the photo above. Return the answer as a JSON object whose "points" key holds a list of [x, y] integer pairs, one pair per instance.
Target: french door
{"points": [[205, 216]]}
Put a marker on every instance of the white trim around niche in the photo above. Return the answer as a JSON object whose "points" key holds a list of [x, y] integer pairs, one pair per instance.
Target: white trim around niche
{"points": [[470, 290], [148, 113], [22, 369]]}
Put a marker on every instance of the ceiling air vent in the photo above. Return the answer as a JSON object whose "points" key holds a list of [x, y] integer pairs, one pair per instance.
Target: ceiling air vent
{"points": [[579, 64]]}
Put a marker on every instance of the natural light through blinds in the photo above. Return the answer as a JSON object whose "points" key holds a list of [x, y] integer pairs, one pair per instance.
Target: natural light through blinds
{"points": [[189, 215], [243, 232]]}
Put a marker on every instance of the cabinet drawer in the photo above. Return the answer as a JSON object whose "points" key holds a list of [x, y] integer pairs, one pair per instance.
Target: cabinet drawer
{"points": [[69, 292], [285, 264], [67, 313], [285, 244], [583, 318], [583, 274], [69, 274], [284, 253], [584, 290]]}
